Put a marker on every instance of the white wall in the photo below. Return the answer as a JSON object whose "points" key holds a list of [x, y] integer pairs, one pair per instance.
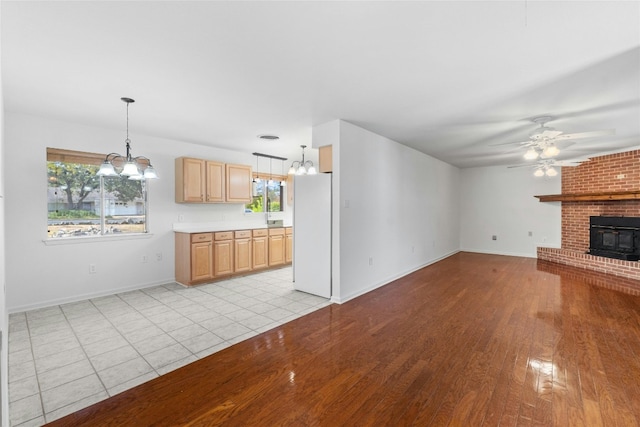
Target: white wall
{"points": [[396, 206], [499, 201], [41, 275], [4, 318]]}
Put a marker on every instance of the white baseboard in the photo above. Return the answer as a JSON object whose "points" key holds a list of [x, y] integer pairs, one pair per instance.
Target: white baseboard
{"points": [[82, 297], [339, 300], [483, 251]]}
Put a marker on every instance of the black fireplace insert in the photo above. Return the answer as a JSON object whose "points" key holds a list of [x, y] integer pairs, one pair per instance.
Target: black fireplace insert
{"points": [[615, 237]]}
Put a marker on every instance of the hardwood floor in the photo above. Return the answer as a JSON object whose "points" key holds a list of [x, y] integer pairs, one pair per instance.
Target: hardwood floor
{"points": [[472, 340]]}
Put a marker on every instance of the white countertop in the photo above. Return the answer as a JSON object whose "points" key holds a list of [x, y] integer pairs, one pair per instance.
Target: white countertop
{"points": [[205, 227]]}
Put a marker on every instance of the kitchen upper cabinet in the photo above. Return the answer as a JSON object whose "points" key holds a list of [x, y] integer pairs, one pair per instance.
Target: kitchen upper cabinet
{"points": [[215, 181], [190, 180], [325, 159], [276, 246], [238, 183], [208, 181]]}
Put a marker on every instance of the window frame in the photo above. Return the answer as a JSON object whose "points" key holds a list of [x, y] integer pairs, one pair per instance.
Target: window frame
{"points": [[276, 178], [88, 158]]}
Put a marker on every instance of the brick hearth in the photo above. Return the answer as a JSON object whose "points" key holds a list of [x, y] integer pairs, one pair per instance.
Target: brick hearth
{"points": [[611, 173]]}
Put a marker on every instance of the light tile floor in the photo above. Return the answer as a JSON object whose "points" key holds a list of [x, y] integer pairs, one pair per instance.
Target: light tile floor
{"points": [[67, 357]]}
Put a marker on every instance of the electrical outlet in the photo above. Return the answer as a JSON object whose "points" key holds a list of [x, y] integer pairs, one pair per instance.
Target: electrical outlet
{"points": [[413, 249], [92, 269], [180, 218], [530, 233], [144, 258], [159, 256], [370, 260], [494, 237]]}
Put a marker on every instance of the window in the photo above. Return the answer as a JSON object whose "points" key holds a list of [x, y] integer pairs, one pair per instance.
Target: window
{"points": [[80, 203], [269, 193]]}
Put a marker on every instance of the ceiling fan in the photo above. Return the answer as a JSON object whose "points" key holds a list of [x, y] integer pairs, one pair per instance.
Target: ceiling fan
{"points": [[543, 142], [548, 167]]}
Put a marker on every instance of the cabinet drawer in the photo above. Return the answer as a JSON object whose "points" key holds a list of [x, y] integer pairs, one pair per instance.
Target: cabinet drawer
{"points": [[223, 235], [288, 230], [200, 237], [260, 233], [243, 234], [276, 232]]}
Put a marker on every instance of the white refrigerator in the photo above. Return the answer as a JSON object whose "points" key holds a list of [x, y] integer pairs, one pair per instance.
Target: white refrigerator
{"points": [[312, 234]]}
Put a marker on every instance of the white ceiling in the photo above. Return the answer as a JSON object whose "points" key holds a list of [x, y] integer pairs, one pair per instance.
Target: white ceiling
{"points": [[450, 79]]}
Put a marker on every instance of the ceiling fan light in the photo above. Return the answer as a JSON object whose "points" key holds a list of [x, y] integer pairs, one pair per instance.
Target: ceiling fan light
{"points": [[538, 173], [551, 172], [531, 154], [550, 151]]}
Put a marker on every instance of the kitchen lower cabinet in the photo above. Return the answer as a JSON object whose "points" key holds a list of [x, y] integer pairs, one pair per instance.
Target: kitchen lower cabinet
{"points": [[260, 252], [288, 245], [206, 257], [242, 251], [223, 253], [194, 257], [276, 246]]}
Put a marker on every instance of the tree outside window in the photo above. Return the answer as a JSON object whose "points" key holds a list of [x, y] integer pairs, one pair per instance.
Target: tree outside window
{"points": [[80, 203], [267, 196]]}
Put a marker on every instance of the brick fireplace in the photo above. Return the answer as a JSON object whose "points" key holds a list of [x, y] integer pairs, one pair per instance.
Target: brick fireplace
{"points": [[606, 185]]}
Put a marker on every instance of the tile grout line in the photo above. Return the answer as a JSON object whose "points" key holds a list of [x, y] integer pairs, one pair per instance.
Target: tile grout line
{"points": [[276, 284]]}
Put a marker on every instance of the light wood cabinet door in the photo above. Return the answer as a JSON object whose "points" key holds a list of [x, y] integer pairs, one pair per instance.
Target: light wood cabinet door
{"points": [[190, 180], [288, 248], [260, 254], [276, 249], [238, 183], [215, 182], [242, 255], [222, 258], [201, 261], [325, 159]]}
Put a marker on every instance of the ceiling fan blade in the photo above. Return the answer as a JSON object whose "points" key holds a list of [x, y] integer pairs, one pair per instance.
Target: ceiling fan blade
{"points": [[585, 134], [564, 163], [525, 143], [550, 134], [532, 165]]}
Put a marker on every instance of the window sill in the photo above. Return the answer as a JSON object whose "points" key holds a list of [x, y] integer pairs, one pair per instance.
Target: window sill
{"points": [[95, 239]]}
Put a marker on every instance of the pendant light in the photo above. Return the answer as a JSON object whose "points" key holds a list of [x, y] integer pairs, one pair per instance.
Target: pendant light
{"points": [[270, 175], [283, 183], [302, 167], [132, 165], [257, 178]]}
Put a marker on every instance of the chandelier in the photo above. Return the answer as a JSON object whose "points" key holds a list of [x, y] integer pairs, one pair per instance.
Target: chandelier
{"points": [[300, 167], [136, 168]]}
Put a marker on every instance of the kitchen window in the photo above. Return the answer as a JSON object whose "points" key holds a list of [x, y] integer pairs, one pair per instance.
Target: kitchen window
{"points": [[83, 204], [268, 195]]}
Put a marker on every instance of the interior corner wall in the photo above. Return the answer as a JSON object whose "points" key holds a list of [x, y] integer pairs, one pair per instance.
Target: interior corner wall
{"points": [[40, 275], [499, 201], [398, 210], [4, 317]]}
